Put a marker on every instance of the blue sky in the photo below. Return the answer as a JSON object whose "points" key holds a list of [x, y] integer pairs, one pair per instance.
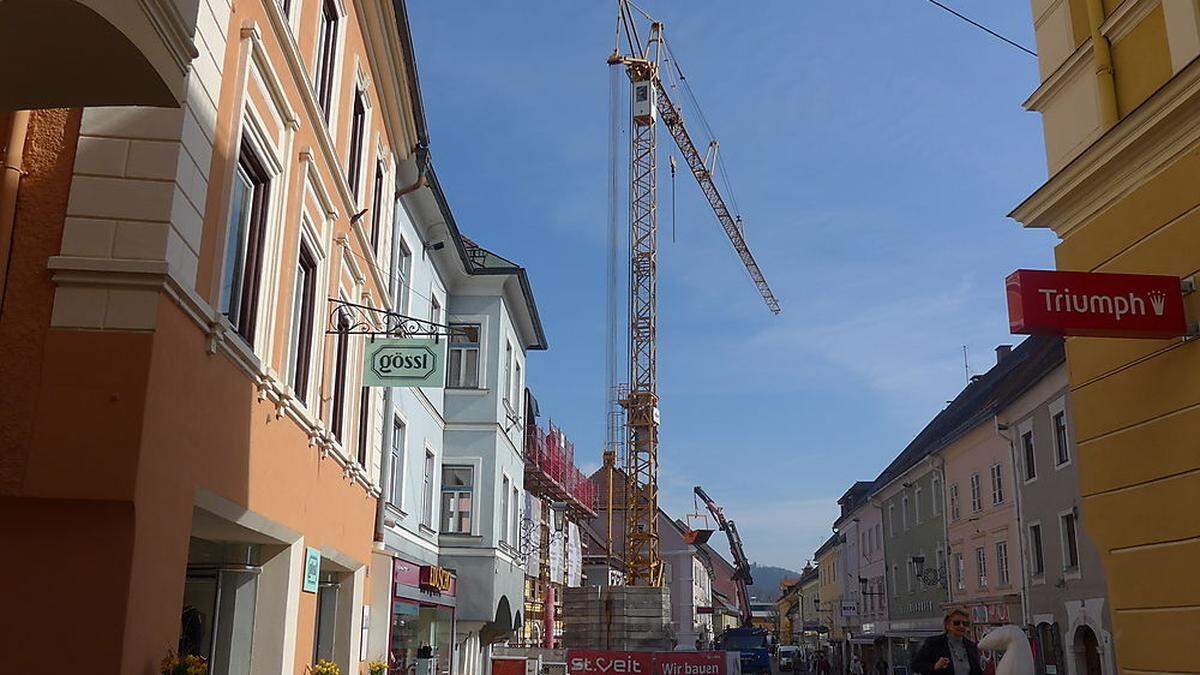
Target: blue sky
{"points": [[874, 149]]}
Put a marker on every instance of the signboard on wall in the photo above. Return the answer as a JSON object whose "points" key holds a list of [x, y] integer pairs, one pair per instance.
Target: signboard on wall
{"points": [[312, 570], [594, 662], [404, 362], [1090, 304]]}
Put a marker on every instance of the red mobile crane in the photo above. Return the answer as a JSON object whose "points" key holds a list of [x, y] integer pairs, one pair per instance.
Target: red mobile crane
{"points": [[747, 639]]}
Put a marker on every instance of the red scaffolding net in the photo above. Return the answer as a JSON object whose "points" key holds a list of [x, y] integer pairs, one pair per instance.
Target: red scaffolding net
{"points": [[551, 458]]}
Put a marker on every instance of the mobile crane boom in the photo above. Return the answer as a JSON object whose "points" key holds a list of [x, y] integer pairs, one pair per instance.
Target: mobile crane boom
{"points": [[741, 566]]}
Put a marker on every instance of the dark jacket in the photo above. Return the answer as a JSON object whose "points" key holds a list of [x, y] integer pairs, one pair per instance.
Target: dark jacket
{"points": [[937, 647]]}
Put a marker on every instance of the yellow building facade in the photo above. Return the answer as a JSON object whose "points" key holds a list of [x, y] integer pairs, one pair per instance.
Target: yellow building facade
{"points": [[829, 591], [1120, 104]]}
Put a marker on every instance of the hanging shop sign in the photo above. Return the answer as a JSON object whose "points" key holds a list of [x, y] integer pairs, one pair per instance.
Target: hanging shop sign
{"points": [[1046, 302], [849, 608], [434, 578], [404, 362], [312, 570]]}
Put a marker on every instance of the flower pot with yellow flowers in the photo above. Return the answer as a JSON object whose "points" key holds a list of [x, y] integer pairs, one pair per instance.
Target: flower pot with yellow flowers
{"points": [[377, 668], [323, 667], [190, 664]]}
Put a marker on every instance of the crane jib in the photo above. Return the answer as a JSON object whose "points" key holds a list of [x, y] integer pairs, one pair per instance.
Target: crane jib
{"points": [[674, 123]]}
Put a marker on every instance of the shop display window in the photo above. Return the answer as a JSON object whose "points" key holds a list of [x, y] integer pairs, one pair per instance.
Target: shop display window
{"points": [[422, 639]]}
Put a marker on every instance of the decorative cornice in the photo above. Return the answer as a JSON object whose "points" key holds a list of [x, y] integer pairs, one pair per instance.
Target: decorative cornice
{"points": [[1140, 146], [175, 32], [262, 60], [1067, 71], [1125, 17]]}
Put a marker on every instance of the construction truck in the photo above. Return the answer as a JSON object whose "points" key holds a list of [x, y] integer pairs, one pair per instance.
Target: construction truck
{"points": [[752, 644]]}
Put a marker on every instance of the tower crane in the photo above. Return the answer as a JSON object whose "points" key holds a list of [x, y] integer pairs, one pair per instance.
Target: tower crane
{"points": [[650, 103]]}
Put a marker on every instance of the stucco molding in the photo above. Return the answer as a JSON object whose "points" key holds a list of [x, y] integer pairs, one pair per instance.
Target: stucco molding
{"points": [[1069, 70], [1125, 17], [175, 32], [1142, 145]]}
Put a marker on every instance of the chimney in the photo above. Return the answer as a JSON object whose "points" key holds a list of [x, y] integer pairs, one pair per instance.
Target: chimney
{"points": [[1002, 352]]}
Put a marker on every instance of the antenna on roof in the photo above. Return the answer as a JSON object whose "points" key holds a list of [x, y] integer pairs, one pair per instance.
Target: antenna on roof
{"points": [[966, 365]]}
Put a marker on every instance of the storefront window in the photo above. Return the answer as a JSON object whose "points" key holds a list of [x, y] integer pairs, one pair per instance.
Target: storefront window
{"points": [[422, 638]]}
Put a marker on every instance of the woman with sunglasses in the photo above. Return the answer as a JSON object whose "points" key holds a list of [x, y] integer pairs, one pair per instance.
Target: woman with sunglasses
{"points": [[950, 653]]}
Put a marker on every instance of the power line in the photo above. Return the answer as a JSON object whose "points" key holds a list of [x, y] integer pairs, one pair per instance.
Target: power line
{"points": [[985, 29]]}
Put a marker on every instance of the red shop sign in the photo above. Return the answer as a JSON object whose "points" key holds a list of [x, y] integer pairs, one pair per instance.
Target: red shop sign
{"points": [[1092, 304], [689, 663], [592, 662]]}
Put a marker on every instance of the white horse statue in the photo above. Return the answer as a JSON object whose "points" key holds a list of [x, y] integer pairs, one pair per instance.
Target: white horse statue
{"points": [[1018, 656]]}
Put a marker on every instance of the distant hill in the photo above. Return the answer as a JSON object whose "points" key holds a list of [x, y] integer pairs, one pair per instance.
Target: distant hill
{"points": [[766, 581]]}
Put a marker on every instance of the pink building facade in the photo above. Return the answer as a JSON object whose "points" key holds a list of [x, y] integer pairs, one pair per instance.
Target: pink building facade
{"points": [[981, 521]]}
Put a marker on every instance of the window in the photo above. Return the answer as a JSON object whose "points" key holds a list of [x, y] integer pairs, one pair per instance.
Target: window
{"points": [[327, 33], [917, 507], [976, 498], [904, 512], [435, 310], [514, 528], [396, 477], [1002, 562], [1069, 542], [1062, 453], [954, 508], [1037, 563], [427, 494], [377, 208], [937, 496], [504, 505], [341, 356], [457, 492], [892, 519], [895, 578], [878, 536], [303, 312], [960, 572], [463, 370], [244, 242], [981, 566], [404, 277], [358, 128], [908, 576], [516, 392], [1030, 455], [364, 424], [508, 373], [997, 485], [285, 6]]}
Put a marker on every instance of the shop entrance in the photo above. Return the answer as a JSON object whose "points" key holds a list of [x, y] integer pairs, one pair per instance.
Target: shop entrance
{"points": [[422, 639], [1087, 652], [220, 595]]}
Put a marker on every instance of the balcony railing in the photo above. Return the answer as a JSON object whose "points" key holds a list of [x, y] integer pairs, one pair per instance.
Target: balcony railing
{"points": [[551, 456]]}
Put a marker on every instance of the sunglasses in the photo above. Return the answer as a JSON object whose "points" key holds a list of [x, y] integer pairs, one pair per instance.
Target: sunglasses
{"points": [[959, 622]]}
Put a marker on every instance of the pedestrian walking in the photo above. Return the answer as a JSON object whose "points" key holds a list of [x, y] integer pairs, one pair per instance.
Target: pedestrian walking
{"points": [[950, 653], [856, 666]]}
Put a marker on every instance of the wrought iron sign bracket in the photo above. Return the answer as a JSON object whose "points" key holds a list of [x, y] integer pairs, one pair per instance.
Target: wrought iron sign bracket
{"points": [[355, 319]]}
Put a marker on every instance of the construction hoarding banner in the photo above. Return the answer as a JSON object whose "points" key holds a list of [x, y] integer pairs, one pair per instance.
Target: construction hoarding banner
{"points": [[593, 662]]}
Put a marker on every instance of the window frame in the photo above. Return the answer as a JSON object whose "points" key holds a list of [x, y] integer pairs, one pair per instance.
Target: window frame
{"points": [[1061, 447], [399, 455], [904, 512], [976, 493], [327, 57], [955, 502], [302, 332], [1003, 577], [252, 164], [448, 518], [1028, 441], [364, 426], [404, 270], [981, 566], [936, 496], [960, 571], [463, 348], [502, 512], [341, 379], [1069, 540], [996, 472], [1037, 546], [429, 489], [377, 206], [917, 506], [356, 150]]}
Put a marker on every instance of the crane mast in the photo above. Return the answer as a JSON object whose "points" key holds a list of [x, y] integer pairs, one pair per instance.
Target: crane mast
{"points": [[648, 98]]}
